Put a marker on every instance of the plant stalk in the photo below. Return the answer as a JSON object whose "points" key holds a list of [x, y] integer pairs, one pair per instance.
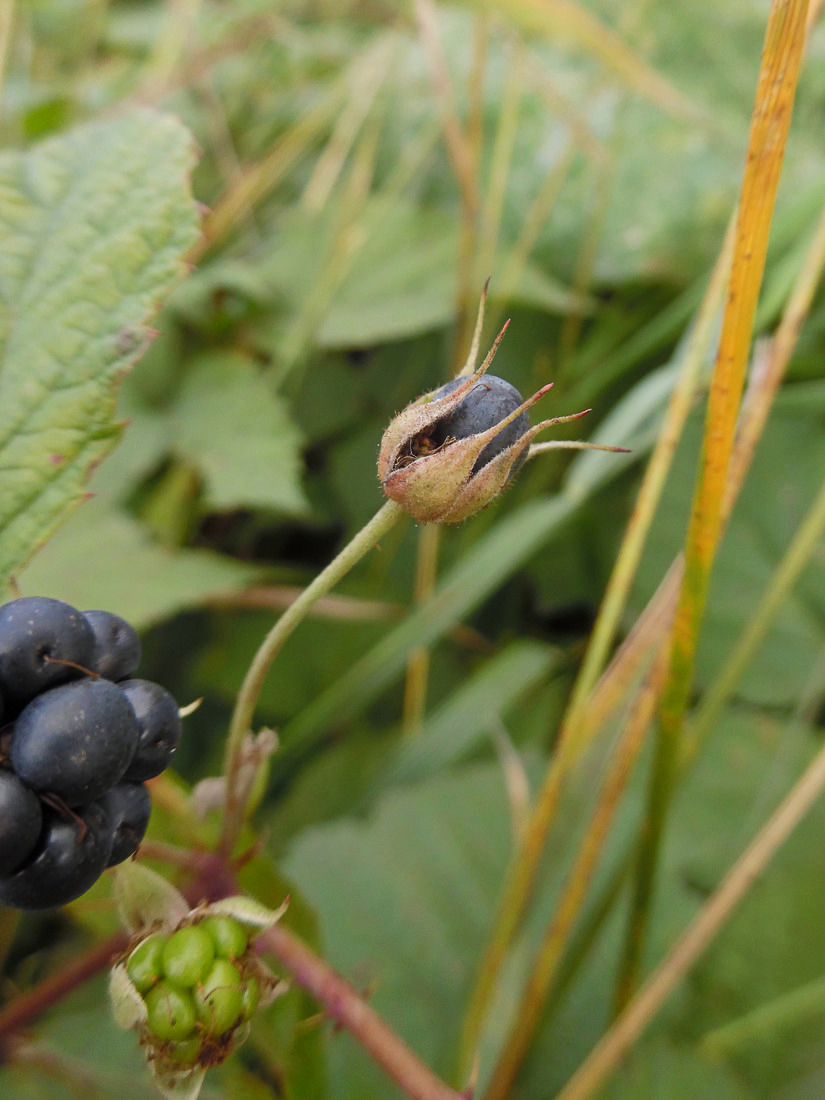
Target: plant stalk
{"points": [[545, 967], [236, 799], [580, 721], [781, 60], [343, 1005], [418, 662], [633, 1021]]}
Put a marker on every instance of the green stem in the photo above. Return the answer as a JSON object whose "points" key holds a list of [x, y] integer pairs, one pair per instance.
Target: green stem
{"points": [[660, 788], [762, 1023], [799, 552], [545, 966], [241, 723], [418, 662]]}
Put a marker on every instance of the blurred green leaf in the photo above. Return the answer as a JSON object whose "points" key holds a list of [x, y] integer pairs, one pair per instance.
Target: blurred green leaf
{"points": [[64, 1069], [404, 900], [767, 947], [132, 575], [661, 1070], [471, 712], [786, 473], [402, 281], [771, 946], [230, 425]]}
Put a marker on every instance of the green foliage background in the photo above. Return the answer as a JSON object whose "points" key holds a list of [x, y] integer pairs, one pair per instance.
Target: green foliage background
{"points": [[329, 287]]}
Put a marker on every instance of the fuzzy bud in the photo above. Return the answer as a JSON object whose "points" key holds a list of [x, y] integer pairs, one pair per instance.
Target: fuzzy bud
{"points": [[450, 453]]}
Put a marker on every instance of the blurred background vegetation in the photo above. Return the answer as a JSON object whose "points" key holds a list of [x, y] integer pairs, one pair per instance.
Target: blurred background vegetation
{"points": [[363, 167]]}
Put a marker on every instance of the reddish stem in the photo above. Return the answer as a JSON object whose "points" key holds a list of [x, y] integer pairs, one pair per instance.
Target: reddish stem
{"points": [[343, 1004], [26, 1008]]}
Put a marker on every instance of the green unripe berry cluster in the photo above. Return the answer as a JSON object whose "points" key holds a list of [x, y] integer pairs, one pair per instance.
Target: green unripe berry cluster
{"points": [[195, 984]]}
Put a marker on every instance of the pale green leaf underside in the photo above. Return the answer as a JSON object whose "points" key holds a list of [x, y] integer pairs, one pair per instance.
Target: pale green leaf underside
{"points": [[104, 558], [94, 224]]}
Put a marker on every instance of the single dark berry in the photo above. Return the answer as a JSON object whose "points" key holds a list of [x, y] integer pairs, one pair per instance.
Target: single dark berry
{"points": [[128, 807], [75, 741], [117, 647], [487, 404], [43, 643], [21, 820], [69, 858], [159, 725]]}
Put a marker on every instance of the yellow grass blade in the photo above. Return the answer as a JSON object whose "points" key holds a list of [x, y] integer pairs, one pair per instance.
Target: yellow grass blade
{"points": [[567, 20], [781, 59]]}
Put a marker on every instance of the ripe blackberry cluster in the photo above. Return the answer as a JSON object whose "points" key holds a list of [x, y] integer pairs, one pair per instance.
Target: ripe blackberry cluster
{"points": [[78, 737]]}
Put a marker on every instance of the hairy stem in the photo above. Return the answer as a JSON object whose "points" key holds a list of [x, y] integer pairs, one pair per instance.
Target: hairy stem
{"points": [[365, 540], [343, 1005]]}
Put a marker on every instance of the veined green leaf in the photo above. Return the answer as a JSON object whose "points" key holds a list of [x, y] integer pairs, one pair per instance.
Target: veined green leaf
{"points": [[94, 223]]}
